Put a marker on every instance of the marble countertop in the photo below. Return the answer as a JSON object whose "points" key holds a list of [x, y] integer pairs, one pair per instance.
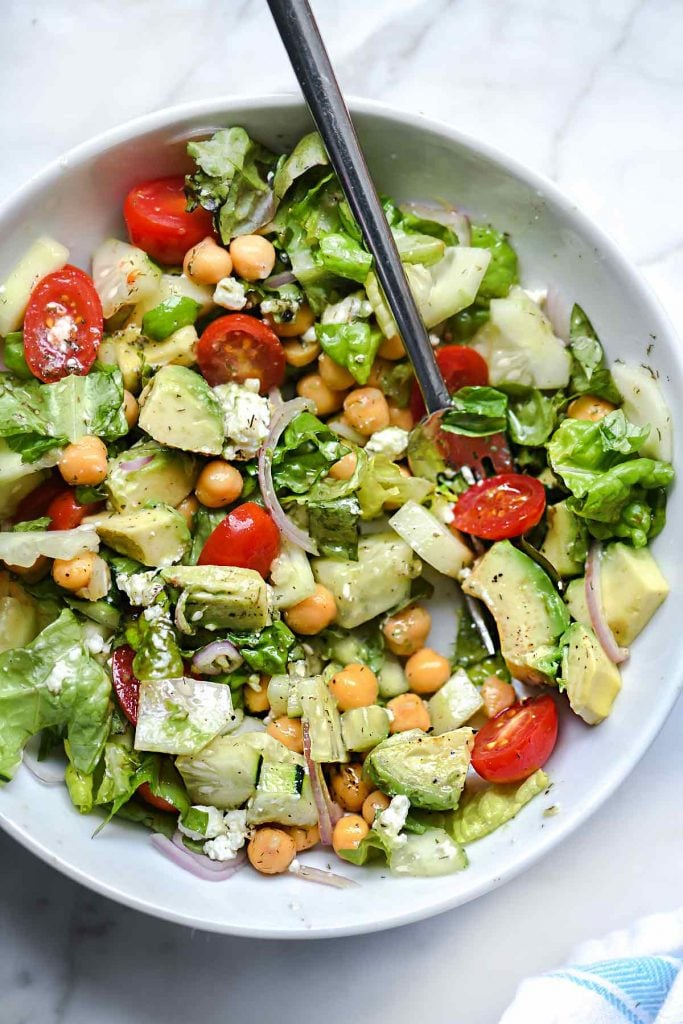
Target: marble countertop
{"points": [[589, 92]]}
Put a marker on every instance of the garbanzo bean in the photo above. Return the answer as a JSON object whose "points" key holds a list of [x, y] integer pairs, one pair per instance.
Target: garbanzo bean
{"points": [[345, 468], [188, 509], [355, 686], [314, 613], [84, 462], [301, 353], [408, 712], [366, 410], [131, 409], [496, 695], [402, 418], [392, 348], [374, 802], [348, 832], [335, 376], [302, 320], [589, 407], [349, 788], [207, 262], [31, 573], [287, 731], [427, 671], [74, 573], [407, 631], [305, 838], [271, 850], [323, 397], [219, 484], [256, 701], [253, 257]]}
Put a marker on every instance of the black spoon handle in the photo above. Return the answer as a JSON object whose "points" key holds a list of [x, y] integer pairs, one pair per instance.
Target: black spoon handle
{"points": [[301, 37]]}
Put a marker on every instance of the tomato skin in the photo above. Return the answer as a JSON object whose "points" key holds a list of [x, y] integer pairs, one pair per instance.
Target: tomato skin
{"points": [[237, 347], [247, 538], [37, 502], [158, 222], [517, 742], [500, 507], [66, 298], [460, 367], [149, 797], [126, 683], [66, 513]]}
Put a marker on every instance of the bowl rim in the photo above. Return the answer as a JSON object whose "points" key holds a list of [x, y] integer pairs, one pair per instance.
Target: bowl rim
{"points": [[604, 787]]}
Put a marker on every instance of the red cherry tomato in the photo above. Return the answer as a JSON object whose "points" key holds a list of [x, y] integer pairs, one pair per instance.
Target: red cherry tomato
{"points": [[158, 222], [247, 537], [238, 347], [66, 513], [502, 506], [38, 501], [63, 325], [460, 367], [155, 801], [126, 683], [517, 742]]}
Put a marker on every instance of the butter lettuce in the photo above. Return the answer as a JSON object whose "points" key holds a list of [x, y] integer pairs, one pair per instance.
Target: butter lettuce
{"points": [[155, 642], [266, 651], [334, 526], [429, 853], [304, 454], [503, 270], [309, 152], [483, 811], [352, 345], [383, 485], [589, 367], [476, 412]]}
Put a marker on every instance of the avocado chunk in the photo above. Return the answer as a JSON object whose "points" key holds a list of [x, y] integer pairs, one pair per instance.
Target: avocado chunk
{"points": [[530, 614], [154, 536], [455, 703], [219, 597], [591, 680], [378, 581], [566, 542], [179, 409], [164, 474], [224, 773], [575, 597], [429, 770]]}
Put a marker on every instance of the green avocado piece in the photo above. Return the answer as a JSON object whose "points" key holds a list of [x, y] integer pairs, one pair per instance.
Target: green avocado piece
{"points": [[575, 597], [530, 614], [429, 770], [154, 536], [218, 597], [566, 542], [179, 409], [169, 475], [591, 680]]}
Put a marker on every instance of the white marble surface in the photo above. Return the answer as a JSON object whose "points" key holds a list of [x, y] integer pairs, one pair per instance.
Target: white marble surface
{"points": [[587, 91]]}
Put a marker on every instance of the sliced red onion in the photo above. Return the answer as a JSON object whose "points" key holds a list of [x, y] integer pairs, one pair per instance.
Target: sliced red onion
{"points": [[275, 397], [596, 611], [132, 464], [207, 659], [329, 812], [444, 214], [310, 874], [558, 312], [281, 418], [277, 280], [47, 772], [196, 863]]}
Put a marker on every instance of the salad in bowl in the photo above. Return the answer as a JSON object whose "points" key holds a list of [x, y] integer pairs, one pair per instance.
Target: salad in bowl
{"points": [[222, 531]]}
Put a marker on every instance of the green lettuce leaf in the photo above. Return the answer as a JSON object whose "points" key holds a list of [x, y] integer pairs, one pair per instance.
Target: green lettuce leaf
{"points": [[334, 526], [204, 523], [429, 853], [14, 357], [589, 366], [476, 412], [353, 345], [503, 270], [268, 650], [155, 642], [482, 812], [309, 152], [382, 484], [343, 255], [469, 653], [396, 381], [305, 453], [531, 415]]}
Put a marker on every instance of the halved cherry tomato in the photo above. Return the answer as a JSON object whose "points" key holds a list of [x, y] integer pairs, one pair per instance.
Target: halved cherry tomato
{"points": [[517, 742], [63, 325], [247, 537], [460, 367], [158, 222], [238, 347], [502, 506], [38, 501], [155, 801], [66, 513], [126, 683]]}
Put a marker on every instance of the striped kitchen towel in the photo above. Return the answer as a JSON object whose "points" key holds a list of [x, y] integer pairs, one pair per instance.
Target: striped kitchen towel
{"points": [[633, 976]]}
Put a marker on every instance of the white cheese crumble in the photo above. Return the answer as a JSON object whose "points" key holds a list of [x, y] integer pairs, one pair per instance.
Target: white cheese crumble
{"points": [[246, 418], [62, 670], [230, 293], [233, 837], [141, 588], [94, 641], [392, 442], [390, 821], [350, 308], [309, 336]]}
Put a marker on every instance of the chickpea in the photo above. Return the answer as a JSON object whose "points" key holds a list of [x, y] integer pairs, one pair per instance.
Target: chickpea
{"points": [[256, 701], [392, 348], [335, 376], [349, 788], [74, 573], [497, 695], [374, 802], [323, 397], [348, 832], [589, 407], [314, 613], [287, 731], [301, 353], [427, 671], [402, 418], [302, 320], [207, 262], [409, 712], [131, 409], [367, 410], [271, 850], [355, 686], [84, 461], [188, 508], [219, 484], [407, 631], [378, 371], [31, 573], [253, 257], [304, 838], [345, 467]]}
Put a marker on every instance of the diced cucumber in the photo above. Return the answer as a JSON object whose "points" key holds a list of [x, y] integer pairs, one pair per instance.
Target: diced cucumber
{"points": [[454, 704], [224, 773], [283, 696], [291, 576], [364, 728], [644, 403], [431, 539], [392, 679], [44, 257], [123, 274], [319, 710], [283, 794]]}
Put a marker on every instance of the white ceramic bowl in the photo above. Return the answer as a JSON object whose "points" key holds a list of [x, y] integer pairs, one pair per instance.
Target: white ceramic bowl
{"points": [[78, 200]]}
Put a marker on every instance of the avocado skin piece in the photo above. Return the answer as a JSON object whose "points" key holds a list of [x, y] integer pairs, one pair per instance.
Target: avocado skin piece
{"points": [[591, 680], [154, 536], [169, 477], [530, 614], [179, 409], [429, 770], [567, 536]]}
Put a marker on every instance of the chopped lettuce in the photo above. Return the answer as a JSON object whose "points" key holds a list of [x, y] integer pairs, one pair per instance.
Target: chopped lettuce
{"points": [[305, 453], [181, 715], [430, 853], [343, 255], [14, 357], [155, 642], [589, 367], [309, 152], [267, 650], [334, 526], [353, 345], [476, 412], [469, 652], [502, 271], [531, 414], [23, 547], [204, 523], [484, 810], [383, 485]]}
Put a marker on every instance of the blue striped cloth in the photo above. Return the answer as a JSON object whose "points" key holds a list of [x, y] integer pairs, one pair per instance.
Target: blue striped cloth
{"points": [[631, 977]]}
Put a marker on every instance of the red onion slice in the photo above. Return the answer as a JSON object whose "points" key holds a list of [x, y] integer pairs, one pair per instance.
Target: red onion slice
{"points": [[281, 418], [132, 464], [444, 214], [557, 310], [196, 863], [310, 874], [277, 280], [596, 611], [205, 659], [329, 812]]}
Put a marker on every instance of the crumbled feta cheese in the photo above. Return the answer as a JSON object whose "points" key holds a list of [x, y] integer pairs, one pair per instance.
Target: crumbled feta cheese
{"points": [[232, 838], [154, 613], [390, 821], [246, 418], [350, 308], [141, 588], [215, 825], [309, 336], [392, 442], [62, 670], [434, 340], [294, 866], [230, 293], [93, 639]]}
